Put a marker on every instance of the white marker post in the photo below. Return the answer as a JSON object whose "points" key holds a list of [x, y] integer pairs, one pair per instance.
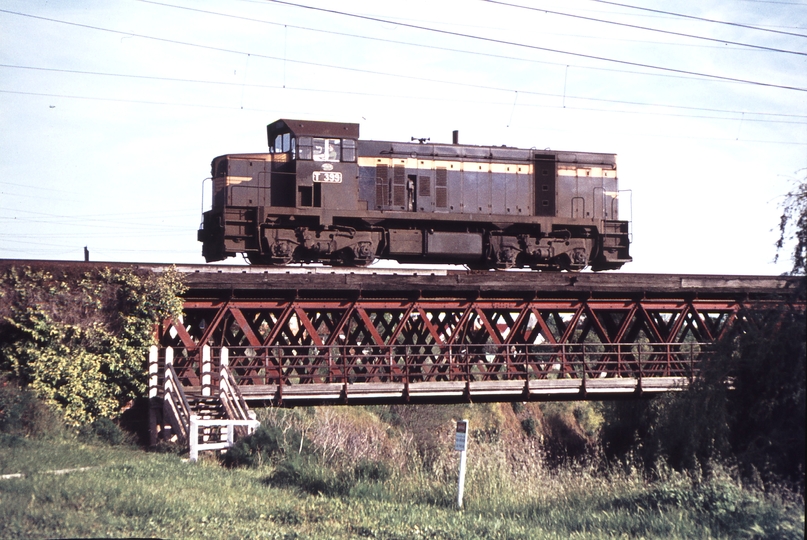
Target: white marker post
{"points": [[461, 446]]}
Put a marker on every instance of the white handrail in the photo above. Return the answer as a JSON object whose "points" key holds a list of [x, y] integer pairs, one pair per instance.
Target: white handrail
{"points": [[196, 446], [230, 395], [175, 403]]}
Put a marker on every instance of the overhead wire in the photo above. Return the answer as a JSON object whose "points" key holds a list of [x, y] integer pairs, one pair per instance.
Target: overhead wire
{"points": [[410, 44], [703, 19], [342, 67], [536, 47], [542, 10], [639, 27], [428, 46], [688, 136], [456, 83], [427, 98], [86, 216], [445, 32]]}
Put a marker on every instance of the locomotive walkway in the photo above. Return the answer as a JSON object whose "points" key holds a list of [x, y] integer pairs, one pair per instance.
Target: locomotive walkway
{"points": [[325, 336]]}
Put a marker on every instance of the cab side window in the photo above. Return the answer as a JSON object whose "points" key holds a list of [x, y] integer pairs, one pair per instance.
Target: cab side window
{"points": [[348, 150], [322, 149], [304, 146], [283, 143]]}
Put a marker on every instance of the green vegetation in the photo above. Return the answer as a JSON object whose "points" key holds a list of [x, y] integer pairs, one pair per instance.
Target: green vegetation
{"points": [[307, 488], [793, 225], [78, 340], [747, 408]]}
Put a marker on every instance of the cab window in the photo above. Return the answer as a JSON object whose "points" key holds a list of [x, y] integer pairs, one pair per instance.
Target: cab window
{"points": [[304, 147], [326, 149], [348, 150], [283, 143]]}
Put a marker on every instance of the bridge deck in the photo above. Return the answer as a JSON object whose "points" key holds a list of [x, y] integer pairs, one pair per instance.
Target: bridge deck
{"points": [[402, 283], [456, 391]]}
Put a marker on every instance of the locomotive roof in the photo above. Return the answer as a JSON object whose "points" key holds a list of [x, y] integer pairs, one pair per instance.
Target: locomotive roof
{"points": [[312, 128], [463, 151], [410, 149]]}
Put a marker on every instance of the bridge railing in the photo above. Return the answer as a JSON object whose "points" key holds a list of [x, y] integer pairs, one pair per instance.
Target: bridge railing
{"points": [[410, 363]]}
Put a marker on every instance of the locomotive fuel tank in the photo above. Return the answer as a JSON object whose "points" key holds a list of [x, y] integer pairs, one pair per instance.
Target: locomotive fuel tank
{"points": [[323, 195]]}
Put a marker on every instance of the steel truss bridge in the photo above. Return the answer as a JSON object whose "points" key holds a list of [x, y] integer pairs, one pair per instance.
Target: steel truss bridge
{"points": [[324, 336]]}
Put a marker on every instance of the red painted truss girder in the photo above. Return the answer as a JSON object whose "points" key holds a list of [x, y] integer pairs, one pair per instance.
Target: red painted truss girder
{"points": [[384, 322], [271, 341]]}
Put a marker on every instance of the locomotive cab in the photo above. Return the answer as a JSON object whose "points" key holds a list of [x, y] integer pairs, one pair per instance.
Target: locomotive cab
{"points": [[280, 206], [313, 165]]}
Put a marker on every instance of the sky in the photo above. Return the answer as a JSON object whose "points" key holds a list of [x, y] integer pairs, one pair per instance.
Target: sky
{"points": [[111, 110]]}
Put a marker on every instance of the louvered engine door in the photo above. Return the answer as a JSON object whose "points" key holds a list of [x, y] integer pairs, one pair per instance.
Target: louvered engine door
{"points": [[545, 184]]}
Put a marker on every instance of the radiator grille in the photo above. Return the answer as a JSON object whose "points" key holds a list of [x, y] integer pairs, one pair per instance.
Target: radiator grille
{"points": [[398, 185], [441, 188], [381, 186], [424, 186]]}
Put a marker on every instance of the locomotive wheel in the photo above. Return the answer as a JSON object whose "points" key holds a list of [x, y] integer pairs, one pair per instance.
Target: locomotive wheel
{"points": [[266, 260], [346, 257], [564, 262], [258, 259]]}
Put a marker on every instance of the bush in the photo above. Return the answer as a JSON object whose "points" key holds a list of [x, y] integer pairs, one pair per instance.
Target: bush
{"points": [[103, 430], [267, 445], [309, 474], [78, 340], [23, 415], [565, 440], [371, 471]]}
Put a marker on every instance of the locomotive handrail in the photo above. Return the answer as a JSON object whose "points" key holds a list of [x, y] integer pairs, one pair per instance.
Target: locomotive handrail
{"points": [[602, 205], [203, 194], [615, 201]]}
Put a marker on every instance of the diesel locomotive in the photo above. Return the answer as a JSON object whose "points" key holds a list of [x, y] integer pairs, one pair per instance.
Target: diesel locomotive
{"points": [[322, 195]]}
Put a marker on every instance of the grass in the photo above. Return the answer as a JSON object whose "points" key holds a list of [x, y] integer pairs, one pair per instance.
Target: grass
{"points": [[26, 456], [136, 493]]}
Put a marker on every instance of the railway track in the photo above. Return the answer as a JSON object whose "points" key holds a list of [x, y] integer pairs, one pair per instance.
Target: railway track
{"points": [[208, 281]]}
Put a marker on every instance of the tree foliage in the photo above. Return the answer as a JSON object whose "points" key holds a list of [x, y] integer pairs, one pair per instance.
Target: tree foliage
{"points": [[766, 406], [747, 407], [793, 226], [79, 340]]}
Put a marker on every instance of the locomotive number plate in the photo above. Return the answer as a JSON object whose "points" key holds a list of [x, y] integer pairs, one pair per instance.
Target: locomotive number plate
{"points": [[328, 177]]}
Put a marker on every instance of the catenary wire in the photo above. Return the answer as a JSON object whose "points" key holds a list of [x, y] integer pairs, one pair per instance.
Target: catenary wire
{"points": [[427, 46], [353, 93], [639, 27], [446, 32], [420, 45], [484, 87], [542, 10], [661, 135], [703, 19]]}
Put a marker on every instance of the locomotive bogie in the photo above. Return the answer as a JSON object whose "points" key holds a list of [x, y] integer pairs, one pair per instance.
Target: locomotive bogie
{"points": [[323, 195]]}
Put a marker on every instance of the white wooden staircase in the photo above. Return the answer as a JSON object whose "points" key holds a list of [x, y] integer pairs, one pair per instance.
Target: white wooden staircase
{"points": [[203, 417]]}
